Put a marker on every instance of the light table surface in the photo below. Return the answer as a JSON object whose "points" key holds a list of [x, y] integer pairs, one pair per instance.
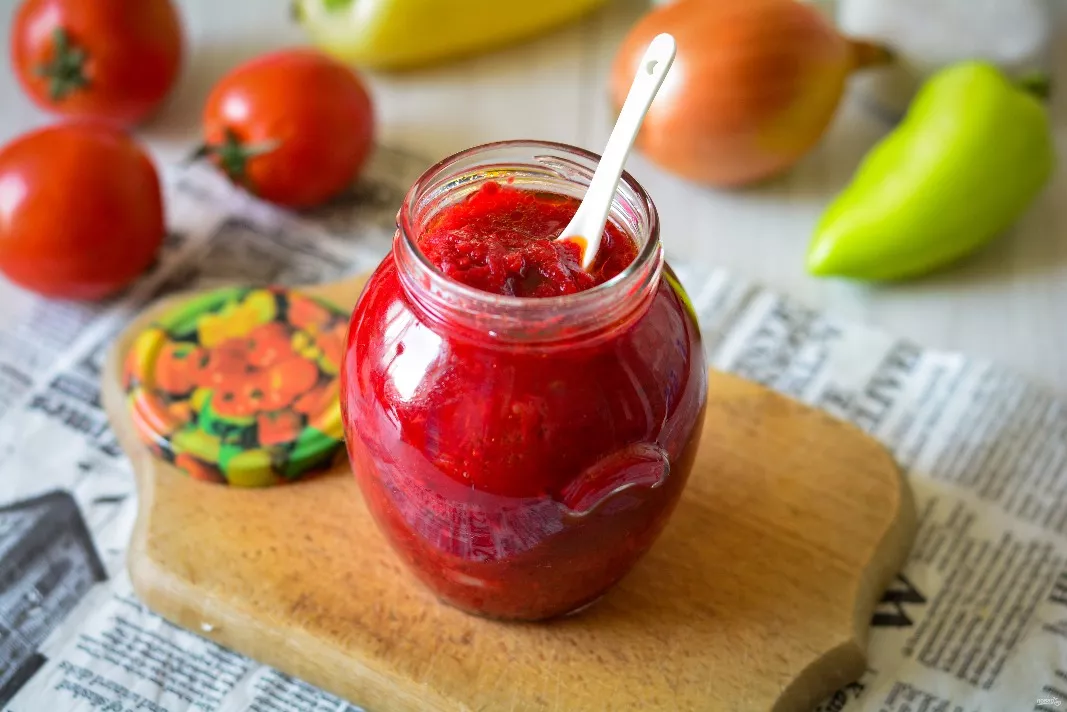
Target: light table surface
{"points": [[1008, 302]]}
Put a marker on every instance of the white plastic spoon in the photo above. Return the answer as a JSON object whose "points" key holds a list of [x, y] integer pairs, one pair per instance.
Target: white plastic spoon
{"points": [[587, 225]]}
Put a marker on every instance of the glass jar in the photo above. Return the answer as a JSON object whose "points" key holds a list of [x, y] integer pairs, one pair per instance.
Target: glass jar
{"points": [[522, 454]]}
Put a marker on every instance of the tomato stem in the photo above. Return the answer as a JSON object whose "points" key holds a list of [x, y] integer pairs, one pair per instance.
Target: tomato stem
{"points": [[66, 70], [296, 8], [232, 155]]}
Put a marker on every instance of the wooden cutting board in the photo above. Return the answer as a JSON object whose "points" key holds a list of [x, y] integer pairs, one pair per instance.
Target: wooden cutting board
{"points": [[757, 597]]}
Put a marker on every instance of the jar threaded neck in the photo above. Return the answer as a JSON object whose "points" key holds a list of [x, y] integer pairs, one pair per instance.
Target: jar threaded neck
{"points": [[502, 319]]}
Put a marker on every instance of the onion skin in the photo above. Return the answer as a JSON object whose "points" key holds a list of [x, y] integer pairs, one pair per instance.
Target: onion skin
{"points": [[754, 85]]}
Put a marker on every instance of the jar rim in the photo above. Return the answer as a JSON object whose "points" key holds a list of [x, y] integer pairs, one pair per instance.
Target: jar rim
{"points": [[645, 254], [500, 319]]}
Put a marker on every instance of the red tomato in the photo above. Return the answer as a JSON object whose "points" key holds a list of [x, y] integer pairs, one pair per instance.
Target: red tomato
{"points": [[111, 60], [293, 127], [81, 212]]}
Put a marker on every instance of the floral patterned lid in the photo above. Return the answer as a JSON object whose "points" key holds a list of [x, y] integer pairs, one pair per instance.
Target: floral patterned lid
{"points": [[239, 386]]}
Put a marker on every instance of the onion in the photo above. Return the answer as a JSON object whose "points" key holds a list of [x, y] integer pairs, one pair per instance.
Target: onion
{"points": [[753, 87]]}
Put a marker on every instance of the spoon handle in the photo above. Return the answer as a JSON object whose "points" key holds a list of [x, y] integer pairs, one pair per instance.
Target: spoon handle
{"points": [[588, 222]]}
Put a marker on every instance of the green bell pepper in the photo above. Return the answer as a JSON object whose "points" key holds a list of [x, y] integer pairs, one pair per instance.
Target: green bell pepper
{"points": [[971, 154]]}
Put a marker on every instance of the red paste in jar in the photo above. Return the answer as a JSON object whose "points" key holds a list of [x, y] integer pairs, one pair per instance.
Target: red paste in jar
{"points": [[518, 482], [502, 239]]}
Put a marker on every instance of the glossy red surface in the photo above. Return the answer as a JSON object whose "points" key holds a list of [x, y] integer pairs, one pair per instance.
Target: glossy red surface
{"points": [[501, 239], [517, 480]]}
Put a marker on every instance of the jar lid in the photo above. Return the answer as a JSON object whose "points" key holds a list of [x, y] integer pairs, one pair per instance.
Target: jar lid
{"points": [[240, 386]]}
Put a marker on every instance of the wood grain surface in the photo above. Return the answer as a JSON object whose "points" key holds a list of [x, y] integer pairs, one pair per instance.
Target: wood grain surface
{"points": [[757, 597]]}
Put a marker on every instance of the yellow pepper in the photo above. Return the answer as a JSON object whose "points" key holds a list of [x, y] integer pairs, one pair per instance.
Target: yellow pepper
{"points": [[402, 34]]}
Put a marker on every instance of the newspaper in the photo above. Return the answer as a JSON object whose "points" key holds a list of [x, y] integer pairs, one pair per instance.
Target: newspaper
{"points": [[975, 622]]}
